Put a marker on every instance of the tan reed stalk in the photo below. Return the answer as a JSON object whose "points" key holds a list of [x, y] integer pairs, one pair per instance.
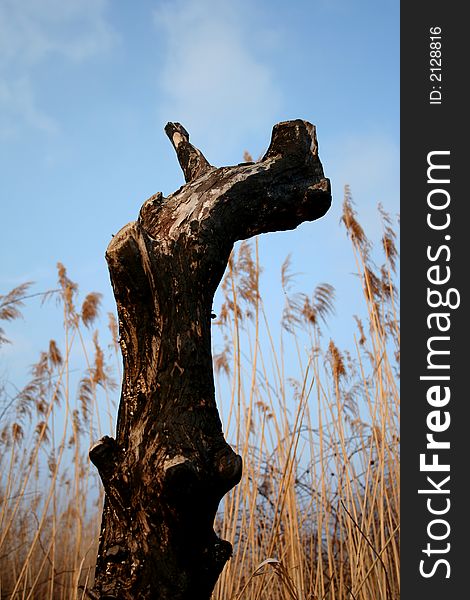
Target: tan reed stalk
{"points": [[316, 515]]}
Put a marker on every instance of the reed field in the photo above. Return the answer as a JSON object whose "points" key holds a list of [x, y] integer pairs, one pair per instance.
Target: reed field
{"points": [[316, 515]]}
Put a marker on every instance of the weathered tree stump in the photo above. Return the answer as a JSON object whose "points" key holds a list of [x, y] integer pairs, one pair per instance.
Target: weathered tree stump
{"points": [[170, 465]]}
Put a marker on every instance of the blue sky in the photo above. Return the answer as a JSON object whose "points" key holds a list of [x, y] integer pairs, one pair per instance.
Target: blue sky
{"points": [[86, 87]]}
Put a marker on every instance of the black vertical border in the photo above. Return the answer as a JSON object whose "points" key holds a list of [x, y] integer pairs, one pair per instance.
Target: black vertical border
{"points": [[424, 128]]}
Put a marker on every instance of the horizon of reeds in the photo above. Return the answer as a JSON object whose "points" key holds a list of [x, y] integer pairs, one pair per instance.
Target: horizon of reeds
{"points": [[316, 514]]}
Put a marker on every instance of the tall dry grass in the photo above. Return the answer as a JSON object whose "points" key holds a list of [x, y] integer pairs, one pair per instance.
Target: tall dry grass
{"points": [[316, 515], [49, 496]]}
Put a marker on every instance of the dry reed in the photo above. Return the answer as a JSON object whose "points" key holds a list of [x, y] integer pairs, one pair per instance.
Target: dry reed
{"points": [[316, 515]]}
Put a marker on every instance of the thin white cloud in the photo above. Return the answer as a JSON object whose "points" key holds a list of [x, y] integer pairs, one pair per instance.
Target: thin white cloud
{"points": [[17, 103], [369, 164], [33, 31], [211, 76]]}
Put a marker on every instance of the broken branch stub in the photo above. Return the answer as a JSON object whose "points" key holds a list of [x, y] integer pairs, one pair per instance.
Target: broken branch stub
{"points": [[170, 465]]}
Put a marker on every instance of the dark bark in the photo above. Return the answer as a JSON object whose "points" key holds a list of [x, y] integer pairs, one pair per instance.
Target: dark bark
{"points": [[169, 466]]}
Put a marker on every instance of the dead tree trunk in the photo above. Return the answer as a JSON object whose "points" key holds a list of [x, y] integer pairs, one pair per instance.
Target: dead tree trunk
{"points": [[169, 466]]}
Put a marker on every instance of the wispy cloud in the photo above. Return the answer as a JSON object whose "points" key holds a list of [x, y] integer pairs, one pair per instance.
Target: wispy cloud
{"points": [[17, 103], [211, 77], [34, 31], [366, 162]]}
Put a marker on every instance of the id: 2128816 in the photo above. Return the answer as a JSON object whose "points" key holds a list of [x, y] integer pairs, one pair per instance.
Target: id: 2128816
{"points": [[435, 65]]}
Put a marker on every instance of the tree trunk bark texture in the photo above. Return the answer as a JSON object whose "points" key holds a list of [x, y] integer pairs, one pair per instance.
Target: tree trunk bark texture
{"points": [[169, 466]]}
